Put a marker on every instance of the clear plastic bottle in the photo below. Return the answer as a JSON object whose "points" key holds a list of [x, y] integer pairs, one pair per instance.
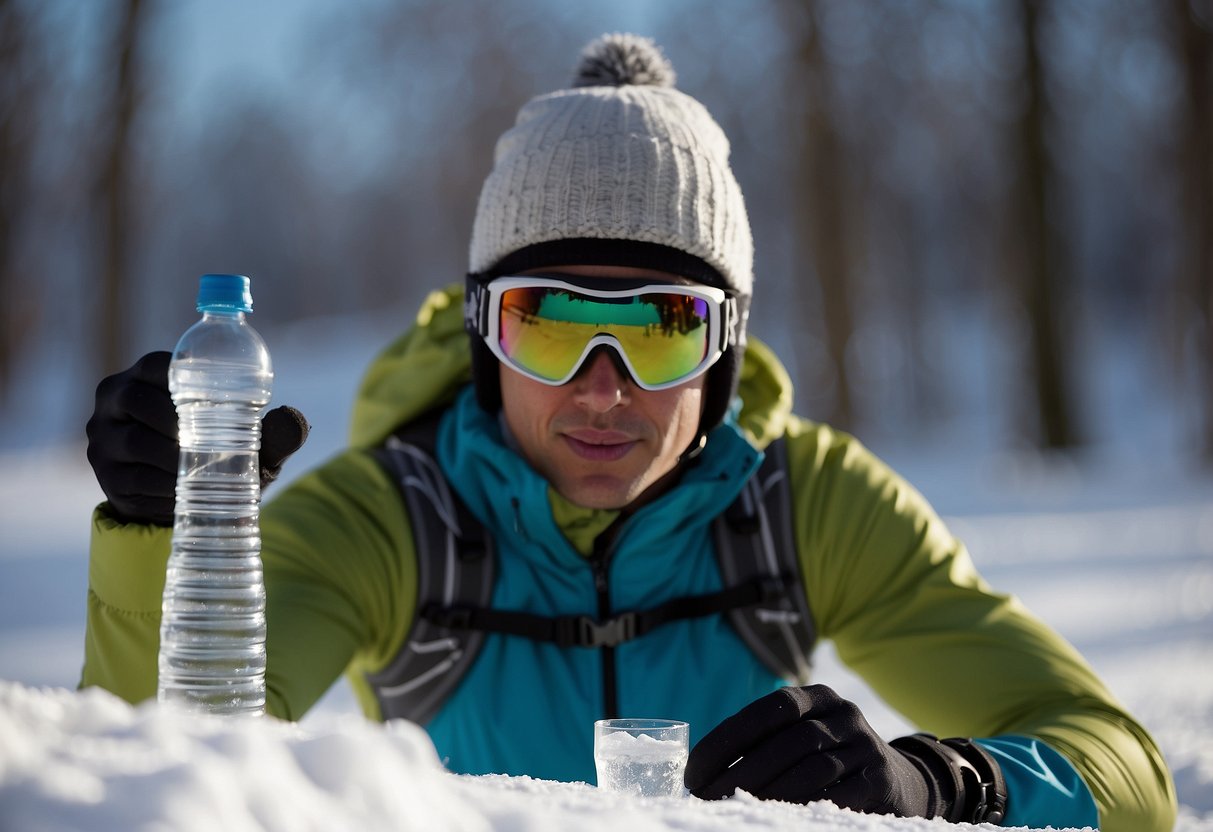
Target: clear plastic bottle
{"points": [[212, 633]]}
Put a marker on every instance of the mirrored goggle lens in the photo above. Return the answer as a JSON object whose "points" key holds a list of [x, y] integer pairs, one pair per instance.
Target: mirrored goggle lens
{"points": [[545, 331]]}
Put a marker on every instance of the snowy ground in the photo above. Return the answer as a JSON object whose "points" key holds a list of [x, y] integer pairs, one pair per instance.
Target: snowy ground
{"points": [[87, 761], [1116, 553]]}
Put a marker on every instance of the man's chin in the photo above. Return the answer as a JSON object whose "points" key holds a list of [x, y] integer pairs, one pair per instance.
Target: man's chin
{"points": [[613, 493], [597, 492]]}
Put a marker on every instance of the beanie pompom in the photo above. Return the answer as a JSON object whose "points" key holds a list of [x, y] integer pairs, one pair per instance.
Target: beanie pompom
{"points": [[619, 60]]}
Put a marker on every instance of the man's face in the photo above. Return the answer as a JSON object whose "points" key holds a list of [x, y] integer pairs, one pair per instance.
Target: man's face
{"points": [[601, 441]]}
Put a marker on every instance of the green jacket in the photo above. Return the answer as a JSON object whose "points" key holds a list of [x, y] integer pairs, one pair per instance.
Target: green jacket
{"points": [[886, 581]]}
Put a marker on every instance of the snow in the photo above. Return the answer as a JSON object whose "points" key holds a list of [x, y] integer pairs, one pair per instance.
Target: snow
{"points": [[89, 761], [620, 745], [1115, 551]]}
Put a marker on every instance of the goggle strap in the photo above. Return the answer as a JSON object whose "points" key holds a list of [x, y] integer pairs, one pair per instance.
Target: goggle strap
{"points": [[475, 310]]}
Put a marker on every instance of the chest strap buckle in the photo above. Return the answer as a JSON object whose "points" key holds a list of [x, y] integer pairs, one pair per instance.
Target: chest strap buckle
{"points": [[613, 631]]}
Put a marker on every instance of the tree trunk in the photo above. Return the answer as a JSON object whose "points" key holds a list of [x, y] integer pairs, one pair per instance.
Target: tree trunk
{"points": [[822, 214], [1196, 180], [1044, 279], [18, 103], [115, 194]]}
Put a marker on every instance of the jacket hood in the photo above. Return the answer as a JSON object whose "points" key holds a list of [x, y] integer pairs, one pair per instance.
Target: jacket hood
{"points": [[426, 367]]}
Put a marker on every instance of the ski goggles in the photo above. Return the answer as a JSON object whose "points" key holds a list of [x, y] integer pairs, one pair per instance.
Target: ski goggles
{"points": [[664, 333]]}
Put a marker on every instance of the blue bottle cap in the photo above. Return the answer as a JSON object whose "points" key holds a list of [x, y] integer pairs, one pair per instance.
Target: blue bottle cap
{"points": [[225, 293]]}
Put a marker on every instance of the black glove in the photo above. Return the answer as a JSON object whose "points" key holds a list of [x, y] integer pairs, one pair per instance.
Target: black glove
{"points": [[806, 744], [132, 441]]}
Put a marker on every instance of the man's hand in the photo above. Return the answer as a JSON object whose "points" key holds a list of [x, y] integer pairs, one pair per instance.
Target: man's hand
{"points": [[806, 744], [132, 441]]}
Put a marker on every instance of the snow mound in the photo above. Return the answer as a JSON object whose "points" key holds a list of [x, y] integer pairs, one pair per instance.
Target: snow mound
{"points": [[87, 760]]}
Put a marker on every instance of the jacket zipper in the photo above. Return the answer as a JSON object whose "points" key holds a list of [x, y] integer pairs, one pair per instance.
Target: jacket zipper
{"points": [[599, 563]]}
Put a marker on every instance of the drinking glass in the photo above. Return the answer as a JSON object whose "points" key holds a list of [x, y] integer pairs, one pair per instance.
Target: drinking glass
{"points": [[642, 757]]}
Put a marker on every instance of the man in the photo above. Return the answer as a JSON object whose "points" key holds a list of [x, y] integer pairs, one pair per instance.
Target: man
{"points": [[616, 409]]}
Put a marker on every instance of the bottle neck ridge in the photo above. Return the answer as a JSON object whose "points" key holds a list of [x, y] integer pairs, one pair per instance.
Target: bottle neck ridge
{"points": [[222, 312]]}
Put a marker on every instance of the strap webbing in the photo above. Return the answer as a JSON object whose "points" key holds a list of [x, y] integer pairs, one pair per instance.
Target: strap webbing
{"points": [[455, 565], [754, 539], [583, 631]]}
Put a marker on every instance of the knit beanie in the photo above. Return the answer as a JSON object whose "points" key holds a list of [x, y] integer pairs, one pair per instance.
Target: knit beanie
{"points": [[621, 169]]}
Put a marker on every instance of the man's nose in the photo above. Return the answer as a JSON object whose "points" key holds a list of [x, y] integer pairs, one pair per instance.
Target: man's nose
{"points": [[601, 383]]}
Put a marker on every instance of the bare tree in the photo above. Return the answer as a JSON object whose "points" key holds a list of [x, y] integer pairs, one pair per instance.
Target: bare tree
{"points": [[1194, 20], [821, 210], [113, 191], [18, 118], [1044, 281], [464, 69]]}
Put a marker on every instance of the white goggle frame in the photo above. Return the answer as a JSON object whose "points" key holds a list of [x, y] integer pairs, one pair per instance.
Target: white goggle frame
{"points": [[483, 312]]}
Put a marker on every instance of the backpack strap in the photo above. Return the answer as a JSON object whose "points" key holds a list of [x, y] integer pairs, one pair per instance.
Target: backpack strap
{"points": [[584, 631], [455, 567], [755, 540]]}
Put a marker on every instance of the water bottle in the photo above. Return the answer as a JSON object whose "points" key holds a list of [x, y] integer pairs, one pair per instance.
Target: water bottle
{"points": [[212, 633]]}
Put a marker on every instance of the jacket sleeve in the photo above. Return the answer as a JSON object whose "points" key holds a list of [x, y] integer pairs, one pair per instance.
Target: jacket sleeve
{"points": [[125, 585], [907, 610], [340, 582]]}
